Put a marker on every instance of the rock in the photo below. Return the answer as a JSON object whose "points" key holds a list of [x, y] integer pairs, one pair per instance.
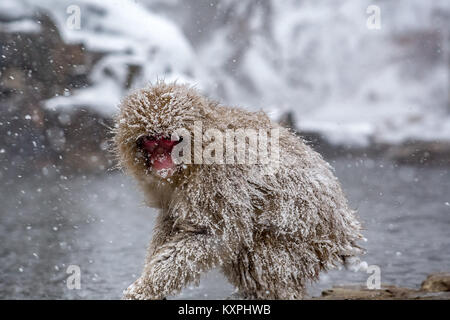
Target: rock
{"points": [[411, 152], [36, 138], [420, 152], [356, 292], [437, 282], [435, 287]]}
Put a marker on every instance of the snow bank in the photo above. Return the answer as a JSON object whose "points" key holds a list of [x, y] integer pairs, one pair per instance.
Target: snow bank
{"points": [[316, 59], [128, 35], [319, 59]]}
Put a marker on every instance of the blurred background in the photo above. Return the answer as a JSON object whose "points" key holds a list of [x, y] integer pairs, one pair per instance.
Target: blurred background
{"points": [[368, 88]]}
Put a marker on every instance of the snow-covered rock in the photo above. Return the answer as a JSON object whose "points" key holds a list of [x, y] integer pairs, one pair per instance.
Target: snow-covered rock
{"points": [[129, 36], [353, 84]]}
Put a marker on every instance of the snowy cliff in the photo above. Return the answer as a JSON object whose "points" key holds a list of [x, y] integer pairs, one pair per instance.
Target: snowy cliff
{"points": [[317, 60], [321, 61]]}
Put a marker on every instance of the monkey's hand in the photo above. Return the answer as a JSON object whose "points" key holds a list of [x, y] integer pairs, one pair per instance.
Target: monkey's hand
{"points": [[174, 264], [139, 290]]}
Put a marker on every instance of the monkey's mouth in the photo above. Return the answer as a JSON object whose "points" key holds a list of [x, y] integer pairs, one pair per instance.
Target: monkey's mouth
{"points": [[157, 151]]}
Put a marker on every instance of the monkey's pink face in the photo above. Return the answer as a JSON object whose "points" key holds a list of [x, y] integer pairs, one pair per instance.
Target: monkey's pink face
{"points": [[157, 151]]}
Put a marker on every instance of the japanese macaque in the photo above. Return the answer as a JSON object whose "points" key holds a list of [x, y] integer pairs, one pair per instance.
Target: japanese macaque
{"points": [[271, 226]]}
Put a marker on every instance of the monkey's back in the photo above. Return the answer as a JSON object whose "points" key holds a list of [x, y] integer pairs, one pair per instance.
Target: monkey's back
{"points": [[301, 197], [290, 223]]}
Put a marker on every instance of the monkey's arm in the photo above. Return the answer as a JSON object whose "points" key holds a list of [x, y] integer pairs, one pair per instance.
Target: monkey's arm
{"points": [[190, 238], [178, 261]]}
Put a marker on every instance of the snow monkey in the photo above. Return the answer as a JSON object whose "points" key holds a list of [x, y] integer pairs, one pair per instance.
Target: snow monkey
{"points": [[271, 232]]}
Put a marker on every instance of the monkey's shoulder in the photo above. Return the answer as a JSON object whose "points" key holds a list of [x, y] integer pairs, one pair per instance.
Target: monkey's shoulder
{"points": [[235, 118]]}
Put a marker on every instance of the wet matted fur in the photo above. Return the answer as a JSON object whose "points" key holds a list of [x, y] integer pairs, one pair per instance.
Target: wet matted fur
{"points": [[271, 234]]}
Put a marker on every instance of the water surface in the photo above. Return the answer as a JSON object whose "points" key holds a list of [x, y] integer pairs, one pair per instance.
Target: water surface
{"points": [[100, 224]]}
